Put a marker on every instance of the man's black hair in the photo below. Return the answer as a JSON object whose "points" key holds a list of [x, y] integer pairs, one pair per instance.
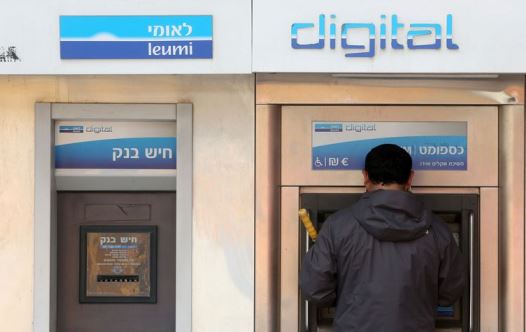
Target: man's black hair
{"points": [[388, 163]]}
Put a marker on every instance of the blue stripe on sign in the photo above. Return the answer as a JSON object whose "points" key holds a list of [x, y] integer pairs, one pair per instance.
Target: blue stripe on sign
{"points": [[197, 49], [121, 153], [136, 26]]}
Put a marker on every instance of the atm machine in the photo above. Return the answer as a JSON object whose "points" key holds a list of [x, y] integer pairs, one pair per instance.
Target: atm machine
{"points": [[315, 163], [116, 181], [323, 151], [458, 211]]}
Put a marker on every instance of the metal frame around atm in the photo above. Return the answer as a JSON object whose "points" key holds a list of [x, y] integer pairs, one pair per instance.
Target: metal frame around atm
{"points": [[469, 245], [501, 203], [290, 230], [46, 187]]}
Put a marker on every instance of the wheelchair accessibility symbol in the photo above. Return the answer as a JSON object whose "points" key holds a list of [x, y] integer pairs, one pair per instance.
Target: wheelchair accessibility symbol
{"points": [[332, 163]]}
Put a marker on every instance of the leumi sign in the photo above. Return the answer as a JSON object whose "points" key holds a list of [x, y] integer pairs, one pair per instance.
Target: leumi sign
{"points": [[136, 37]]}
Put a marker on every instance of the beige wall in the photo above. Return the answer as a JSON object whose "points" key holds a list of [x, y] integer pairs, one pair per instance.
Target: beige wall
{"points": [[223, 263]]}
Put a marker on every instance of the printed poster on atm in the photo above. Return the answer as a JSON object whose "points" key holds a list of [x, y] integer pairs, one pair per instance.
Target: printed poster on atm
{"points": [[115, 145], [432, 145]]}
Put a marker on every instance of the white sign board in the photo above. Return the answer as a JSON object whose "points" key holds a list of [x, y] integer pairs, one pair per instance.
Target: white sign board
{"points": [[31, 37], [400, 36]]}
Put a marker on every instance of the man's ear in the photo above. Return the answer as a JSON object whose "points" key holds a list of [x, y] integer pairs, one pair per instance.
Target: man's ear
{"points": [[366, 181], [365, 176], [410, 180]]}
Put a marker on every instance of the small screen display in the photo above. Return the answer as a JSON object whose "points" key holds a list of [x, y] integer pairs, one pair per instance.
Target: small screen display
{"points": [[118, 263]]}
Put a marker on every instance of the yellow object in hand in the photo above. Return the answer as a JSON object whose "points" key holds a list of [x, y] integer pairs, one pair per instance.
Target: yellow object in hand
{"points": [[305, 219]]}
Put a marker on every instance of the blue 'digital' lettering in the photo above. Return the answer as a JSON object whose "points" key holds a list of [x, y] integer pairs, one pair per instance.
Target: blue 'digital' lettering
{"points": [[296, 27], [372, 35], [416, 37]]}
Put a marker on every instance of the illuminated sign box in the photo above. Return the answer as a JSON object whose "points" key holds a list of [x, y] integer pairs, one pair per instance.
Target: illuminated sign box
{"points": [[118, 145], [432, 145]]}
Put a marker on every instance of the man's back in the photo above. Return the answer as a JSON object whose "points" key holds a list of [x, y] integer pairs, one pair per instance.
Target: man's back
{"points": [[386, 263]]}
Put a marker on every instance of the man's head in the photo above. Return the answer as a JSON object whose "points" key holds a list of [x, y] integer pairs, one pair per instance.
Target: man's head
{"points": [[388, 166]]}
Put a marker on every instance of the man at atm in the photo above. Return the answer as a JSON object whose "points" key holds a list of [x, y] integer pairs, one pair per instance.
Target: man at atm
{"points": [[385, 262]]}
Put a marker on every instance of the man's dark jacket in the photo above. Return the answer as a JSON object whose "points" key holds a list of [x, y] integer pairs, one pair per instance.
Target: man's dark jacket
{"points": [[386, 263]]}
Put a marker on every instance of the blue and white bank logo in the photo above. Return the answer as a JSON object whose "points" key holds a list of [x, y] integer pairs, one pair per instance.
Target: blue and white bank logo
{"points": [[390, 29], [328, 127], [136, 37], [71, 129], [80, 129]]}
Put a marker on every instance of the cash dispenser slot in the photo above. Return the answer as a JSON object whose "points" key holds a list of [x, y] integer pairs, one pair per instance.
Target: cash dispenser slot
{"points": [[119, 278], [456, 210]]}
